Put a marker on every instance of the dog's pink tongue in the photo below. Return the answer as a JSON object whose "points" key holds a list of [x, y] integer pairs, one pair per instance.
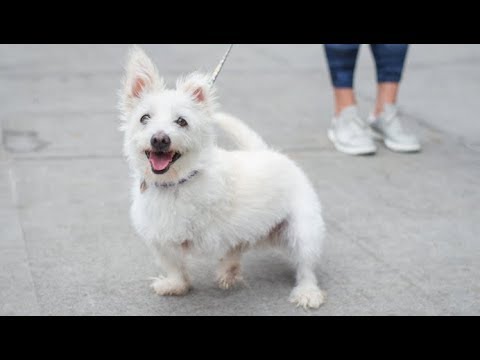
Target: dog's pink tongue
{"points": [[160, 161]]}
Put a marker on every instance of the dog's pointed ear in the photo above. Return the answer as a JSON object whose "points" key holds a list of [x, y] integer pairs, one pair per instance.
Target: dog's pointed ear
{"points": [[141, 77], [198, 86]]}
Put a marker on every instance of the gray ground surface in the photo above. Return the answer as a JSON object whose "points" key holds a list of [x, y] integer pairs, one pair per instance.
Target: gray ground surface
{"points": [[403, 230]]}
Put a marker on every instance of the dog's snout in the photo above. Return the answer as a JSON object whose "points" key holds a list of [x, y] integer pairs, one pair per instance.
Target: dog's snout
{"points": [[160, 141]]}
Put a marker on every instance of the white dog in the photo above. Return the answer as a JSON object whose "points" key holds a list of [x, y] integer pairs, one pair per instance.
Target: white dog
{"points": [[192, 197]]}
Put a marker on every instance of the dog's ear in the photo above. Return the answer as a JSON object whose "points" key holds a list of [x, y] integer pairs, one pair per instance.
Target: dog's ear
{"points": [[141, 78], [198, 86]]}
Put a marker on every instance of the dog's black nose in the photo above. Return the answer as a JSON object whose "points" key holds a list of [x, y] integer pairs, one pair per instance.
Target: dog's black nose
{"points": [[160, 141]]}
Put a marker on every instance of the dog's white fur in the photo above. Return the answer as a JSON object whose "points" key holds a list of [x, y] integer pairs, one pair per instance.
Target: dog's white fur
{"points": [[238, 199]]}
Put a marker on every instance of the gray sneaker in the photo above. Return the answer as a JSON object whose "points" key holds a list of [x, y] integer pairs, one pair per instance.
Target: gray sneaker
{"points": [[388, 128], [350, 134]]}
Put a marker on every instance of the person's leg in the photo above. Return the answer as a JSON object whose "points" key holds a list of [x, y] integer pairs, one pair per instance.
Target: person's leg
{"points": [[385, 121], [348, 132], [390, 61], [387, 93], [342, 59]]}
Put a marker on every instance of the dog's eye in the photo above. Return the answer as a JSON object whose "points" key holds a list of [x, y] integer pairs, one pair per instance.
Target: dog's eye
{"points": [[181, 121], [144, 118]]}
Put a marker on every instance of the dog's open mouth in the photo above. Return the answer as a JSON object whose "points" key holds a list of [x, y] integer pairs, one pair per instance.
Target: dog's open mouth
{"points": [[161, 161]]}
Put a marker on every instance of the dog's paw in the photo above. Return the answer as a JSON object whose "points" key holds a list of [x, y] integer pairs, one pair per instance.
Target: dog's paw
{"points": [[307, 296], [170, 286], [227, 279]]}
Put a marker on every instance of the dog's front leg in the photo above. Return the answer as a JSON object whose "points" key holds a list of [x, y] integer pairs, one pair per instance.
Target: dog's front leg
{"points": [[175, 280], [229, 270]]}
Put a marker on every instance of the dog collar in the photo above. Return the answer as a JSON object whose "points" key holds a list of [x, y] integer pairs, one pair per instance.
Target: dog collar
{"points": [[144, 186]]}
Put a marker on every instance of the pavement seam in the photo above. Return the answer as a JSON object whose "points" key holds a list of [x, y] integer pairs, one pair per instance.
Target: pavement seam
{"points": [[286, 68], [14, 193], [286, 65]]}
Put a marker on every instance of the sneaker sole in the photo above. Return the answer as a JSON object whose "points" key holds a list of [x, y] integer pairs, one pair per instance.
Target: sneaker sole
{"points": [[367, 150], [401, 147], [397, 147]]}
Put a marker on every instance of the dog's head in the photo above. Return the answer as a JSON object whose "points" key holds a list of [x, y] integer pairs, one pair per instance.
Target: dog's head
{"points": [[165, 129]]}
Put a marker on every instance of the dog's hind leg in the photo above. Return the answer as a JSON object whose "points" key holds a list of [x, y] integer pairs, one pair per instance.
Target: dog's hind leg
{"points": [[175, 280], [305, 233], [306, 293], [229, 270]]}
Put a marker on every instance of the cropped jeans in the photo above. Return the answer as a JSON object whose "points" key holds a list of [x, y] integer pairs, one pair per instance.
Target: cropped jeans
{"points": [[342, 58]]}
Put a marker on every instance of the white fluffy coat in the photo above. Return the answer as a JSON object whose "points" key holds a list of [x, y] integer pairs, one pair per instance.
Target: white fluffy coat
{"points": [[237, 199]]}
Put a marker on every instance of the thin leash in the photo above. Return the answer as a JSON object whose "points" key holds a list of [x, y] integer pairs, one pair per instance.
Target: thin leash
{"points": [[219, 67]]}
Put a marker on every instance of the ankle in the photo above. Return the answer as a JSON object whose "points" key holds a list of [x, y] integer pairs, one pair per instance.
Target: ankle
{"points": [[380, 109], [340, 108], [339, 111], [344, 98]]}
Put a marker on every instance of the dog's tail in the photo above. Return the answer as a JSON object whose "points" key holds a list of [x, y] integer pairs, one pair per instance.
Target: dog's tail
{"points": [[243, 137]]}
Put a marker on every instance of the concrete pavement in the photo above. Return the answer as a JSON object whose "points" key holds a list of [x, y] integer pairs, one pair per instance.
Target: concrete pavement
{"points": [[403, 230]]}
